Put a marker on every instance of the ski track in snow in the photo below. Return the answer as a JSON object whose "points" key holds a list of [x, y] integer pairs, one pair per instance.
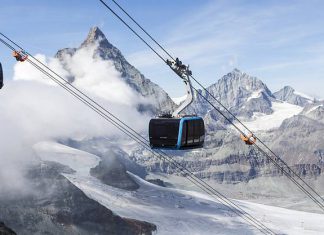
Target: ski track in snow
{"points": [[175, 211], [281, 111]]}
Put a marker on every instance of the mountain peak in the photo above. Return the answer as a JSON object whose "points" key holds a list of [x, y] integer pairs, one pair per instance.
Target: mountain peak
{"points": [[289, 95], [94, 35], [236, 70], [288, 88], [244, 94]]}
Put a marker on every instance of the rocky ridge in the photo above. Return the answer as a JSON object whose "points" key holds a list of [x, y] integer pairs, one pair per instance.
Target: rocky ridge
{"points": [[289, 95], [143, 86]]}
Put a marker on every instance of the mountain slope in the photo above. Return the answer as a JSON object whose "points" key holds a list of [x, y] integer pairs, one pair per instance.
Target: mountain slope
{"points": [[177, 211], [58, 207], [4, 230]]}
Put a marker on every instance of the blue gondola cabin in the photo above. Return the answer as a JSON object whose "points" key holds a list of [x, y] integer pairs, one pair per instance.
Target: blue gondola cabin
{"points": [[177, 133]]}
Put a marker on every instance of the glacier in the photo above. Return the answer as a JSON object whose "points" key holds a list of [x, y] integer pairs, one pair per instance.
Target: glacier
{"points": [[175, 211]]}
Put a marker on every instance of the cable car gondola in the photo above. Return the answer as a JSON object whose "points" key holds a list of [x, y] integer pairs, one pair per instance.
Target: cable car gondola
{"points": [[176, 131]]}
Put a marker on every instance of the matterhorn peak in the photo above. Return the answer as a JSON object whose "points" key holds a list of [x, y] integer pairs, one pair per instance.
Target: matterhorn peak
{"points": [[96, 35]]}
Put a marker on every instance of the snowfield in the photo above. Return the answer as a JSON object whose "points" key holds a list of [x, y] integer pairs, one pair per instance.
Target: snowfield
{"points": [[255, 94], [175, 211], [281, 111]]}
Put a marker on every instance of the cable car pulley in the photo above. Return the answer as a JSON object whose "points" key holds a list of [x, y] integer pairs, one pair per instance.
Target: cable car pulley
{"points": [[176, 131]]}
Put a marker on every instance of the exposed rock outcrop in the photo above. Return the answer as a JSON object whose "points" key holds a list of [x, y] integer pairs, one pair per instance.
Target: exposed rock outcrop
{"points": [[112, 172], [4, 230]]}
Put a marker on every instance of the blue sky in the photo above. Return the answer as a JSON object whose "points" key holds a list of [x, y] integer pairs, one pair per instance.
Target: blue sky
{"points": [[281, 42]]}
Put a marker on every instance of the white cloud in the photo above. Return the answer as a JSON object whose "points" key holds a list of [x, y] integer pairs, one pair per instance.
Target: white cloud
{"points": [[33, 109]]}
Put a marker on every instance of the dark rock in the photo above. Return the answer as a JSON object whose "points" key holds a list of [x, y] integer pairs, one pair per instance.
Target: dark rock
{"points": [[4, 230], [113, 173]]}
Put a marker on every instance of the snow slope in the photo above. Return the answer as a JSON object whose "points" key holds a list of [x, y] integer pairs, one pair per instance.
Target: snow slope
{"points": [[77, 160], [178, 100], [281, 112], [255, 94], [313, 108], [175, 211]]}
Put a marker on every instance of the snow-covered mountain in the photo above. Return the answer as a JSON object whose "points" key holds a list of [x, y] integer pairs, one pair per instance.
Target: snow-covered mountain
{"points": [[106, 51], [289, 95], [242, 93]]}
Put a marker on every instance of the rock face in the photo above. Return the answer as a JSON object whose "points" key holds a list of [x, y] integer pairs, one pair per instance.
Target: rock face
{"points": [[112, 172], [289, 95], [161, 102], [4, 230], [240, 93], [58, 207]]}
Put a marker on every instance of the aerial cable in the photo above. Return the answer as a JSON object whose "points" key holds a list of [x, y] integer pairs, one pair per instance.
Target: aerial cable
{"points": [[195, 180], [121, 8], [267, 155], [314, 199], [259, 140], [228, 119], [130, 28]]}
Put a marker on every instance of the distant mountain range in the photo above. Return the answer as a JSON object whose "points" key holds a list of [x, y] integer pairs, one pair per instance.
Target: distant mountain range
{"points": [[245, 96]]}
